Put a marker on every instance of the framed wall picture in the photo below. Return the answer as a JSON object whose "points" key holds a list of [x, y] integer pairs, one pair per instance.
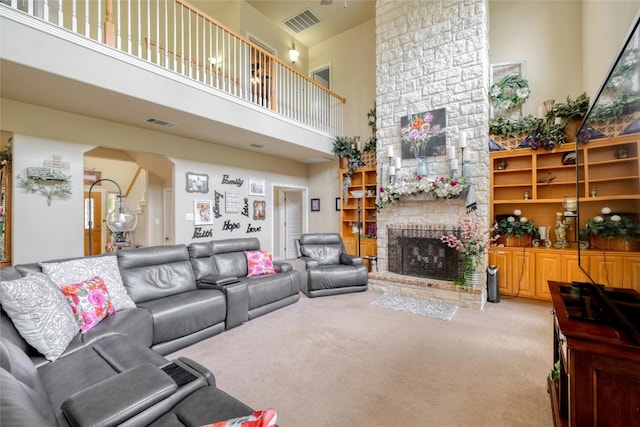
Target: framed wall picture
{"points": [[203, 212], [315, 205], [197, 183], [424, 134], [259, 210], [232, 202], [91, 177], [256, 187], [338, 203]]}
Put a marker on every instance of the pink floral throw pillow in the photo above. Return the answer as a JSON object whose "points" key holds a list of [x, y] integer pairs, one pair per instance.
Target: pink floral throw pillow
{"points": [[259, 263], [266, 418], [89, 301]]}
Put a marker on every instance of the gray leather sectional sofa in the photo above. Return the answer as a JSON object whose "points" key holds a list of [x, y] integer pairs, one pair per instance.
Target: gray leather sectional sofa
{"points": [[115, 373]]}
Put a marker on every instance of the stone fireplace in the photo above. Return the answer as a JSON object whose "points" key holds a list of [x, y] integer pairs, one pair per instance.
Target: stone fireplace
{"points": [[411, 259], [442, 63]]}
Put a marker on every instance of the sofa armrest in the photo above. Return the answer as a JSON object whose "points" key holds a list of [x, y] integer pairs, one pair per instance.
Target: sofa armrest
{"points": [[216, 281], [116, 399], [281, 266], [350, 259], [192, 364]]}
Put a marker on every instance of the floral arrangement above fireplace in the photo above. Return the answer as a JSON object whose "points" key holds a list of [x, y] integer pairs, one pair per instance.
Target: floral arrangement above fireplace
{"points": [[438, 188]]}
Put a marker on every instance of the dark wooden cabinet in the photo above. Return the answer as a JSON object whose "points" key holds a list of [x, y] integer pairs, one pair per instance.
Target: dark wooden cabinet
{"points": [[599, 382]]}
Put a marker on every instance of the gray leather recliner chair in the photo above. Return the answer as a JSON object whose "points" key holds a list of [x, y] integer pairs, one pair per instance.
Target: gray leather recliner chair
{"points": [[325, 268]]}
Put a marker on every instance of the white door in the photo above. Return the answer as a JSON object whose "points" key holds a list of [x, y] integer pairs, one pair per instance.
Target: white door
{"points": [[291, 220], [167, 216]]}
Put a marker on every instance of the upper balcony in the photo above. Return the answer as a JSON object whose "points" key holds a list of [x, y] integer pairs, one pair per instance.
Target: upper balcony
{"points": [[164, 63]]}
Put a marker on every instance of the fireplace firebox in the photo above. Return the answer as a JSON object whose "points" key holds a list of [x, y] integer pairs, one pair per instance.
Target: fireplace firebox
{"points": [[418, 252]]}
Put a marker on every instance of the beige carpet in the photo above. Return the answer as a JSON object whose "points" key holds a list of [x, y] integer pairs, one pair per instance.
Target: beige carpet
{"points": [[341, 361]]}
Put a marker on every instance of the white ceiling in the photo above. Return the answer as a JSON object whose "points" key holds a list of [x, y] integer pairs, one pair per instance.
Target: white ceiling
{"points": [[335, 18]]}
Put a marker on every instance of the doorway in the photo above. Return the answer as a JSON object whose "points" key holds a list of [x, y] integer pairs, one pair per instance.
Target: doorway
{"points": [[290, 221], [93, 215], [322, 75]]}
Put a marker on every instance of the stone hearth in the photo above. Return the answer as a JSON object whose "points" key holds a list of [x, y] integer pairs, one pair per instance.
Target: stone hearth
{"points": [[428, 289]]}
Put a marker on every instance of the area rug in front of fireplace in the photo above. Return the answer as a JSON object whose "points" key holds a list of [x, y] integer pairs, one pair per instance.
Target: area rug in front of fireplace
{"points": [[437, 310]]}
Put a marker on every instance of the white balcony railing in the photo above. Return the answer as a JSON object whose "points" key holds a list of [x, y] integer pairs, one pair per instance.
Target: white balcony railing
{"points": [[179, 37]]}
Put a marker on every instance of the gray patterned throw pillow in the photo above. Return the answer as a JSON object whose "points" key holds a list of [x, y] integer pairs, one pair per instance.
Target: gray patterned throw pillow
{"points": [[82, 269], [40, 312]]}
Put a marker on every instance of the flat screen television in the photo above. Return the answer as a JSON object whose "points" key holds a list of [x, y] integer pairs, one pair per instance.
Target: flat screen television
{"points": [[608, 172]]}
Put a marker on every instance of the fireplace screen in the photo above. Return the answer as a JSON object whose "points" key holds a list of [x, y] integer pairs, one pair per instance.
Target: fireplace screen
{"points": [[420, 253]]}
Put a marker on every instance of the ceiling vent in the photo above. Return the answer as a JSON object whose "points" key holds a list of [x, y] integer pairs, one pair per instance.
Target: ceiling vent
{"points": [[301, 21], [256, 145], [159, 122]]}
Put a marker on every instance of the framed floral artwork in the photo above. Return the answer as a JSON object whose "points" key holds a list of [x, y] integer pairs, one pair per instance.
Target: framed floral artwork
{"points": [[315, 205], [424, 134]]}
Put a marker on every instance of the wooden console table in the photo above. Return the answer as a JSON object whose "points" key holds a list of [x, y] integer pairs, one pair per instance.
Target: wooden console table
{"points": [[599, 382]]}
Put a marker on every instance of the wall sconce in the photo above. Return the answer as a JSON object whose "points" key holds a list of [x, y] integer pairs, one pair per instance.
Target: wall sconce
{"points": [[120, 220], [293, 53]]}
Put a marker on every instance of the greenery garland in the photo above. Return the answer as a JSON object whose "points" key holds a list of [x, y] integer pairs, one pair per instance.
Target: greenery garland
{"points": [[50, 184], [511, 91]]}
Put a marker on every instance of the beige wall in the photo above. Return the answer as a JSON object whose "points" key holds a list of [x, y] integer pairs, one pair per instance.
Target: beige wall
{"points": [[547, 36], [73, 135], [567, 46], [353, 75]]}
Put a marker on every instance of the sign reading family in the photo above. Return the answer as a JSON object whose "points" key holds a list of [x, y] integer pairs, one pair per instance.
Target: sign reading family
{"points": [[424, 134], [236, 181]]}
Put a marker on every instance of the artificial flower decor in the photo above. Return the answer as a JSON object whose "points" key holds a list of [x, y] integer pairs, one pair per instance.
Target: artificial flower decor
{"points": [[516, 225], [509, 92], [448, 188], [440, 187], [471, 240], [610, 226]]}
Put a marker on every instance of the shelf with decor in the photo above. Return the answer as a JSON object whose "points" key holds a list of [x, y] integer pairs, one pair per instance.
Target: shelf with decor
{"points": [[364, 179], [608, 175]]}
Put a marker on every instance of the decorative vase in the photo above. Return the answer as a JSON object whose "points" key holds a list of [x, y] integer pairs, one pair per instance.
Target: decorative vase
{"points": [[469, 272], [344, 162], [421, 168]]}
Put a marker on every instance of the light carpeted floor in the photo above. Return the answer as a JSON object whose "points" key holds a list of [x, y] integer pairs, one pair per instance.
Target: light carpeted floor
{"points": [[341, 361]]}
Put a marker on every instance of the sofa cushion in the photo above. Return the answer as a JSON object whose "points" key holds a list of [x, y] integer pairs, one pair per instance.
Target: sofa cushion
{"points": [[228, 255], [201, 256], [40, 313], [264, 290], [156, 272], [182, 314], [24, 400], [259, 263], [89, 301], [337, 276], [135, 323], [81, 269], [324, 254]]}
